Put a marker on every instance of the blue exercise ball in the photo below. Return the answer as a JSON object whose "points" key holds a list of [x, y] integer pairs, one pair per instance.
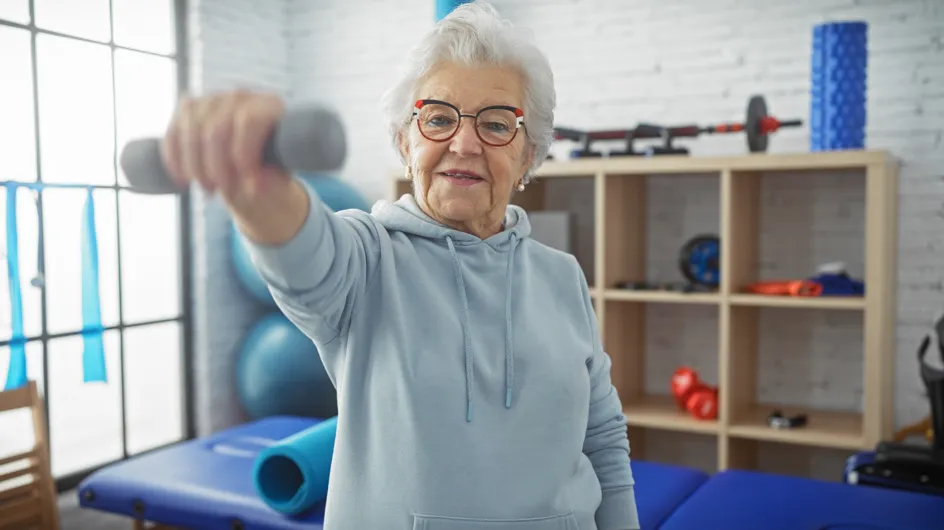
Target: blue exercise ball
{"points": [[335, 193], [279, 372]]}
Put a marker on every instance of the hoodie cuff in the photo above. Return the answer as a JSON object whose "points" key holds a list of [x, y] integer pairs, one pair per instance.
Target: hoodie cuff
{"points": [[617, 510]]}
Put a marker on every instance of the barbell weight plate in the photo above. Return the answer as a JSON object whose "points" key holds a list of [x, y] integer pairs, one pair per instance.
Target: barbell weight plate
{"points": [[705, 260], [699, 260], [756, 111]]}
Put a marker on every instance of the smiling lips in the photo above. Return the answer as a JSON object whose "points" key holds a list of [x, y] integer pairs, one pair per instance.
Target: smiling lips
{"points": [[461, 177]]}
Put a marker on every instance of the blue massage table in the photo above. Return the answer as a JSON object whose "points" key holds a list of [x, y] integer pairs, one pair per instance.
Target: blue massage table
{"points": [[661, 488], [748, 500], [207, 484], [203, 484]]}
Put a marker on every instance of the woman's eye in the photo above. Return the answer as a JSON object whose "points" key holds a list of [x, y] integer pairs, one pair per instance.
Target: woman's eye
{"points": [[438, 121]]}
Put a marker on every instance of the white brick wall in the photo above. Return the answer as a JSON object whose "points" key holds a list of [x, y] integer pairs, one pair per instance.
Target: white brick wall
{"points": [[668, 61]]}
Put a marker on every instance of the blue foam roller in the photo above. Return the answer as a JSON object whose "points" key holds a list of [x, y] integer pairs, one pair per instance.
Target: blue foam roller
{"points": [[291, 476], [838, 86]]}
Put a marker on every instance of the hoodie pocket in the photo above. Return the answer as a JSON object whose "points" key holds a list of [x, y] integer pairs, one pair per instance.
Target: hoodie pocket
{"points": [[565, 521]]}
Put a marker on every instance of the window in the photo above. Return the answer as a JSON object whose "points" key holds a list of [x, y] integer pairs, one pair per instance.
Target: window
{"points": [[80, 79]]}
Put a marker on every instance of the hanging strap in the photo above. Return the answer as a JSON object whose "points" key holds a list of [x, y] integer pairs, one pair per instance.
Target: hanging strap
{"points": [[93, 355], [16, 374]]}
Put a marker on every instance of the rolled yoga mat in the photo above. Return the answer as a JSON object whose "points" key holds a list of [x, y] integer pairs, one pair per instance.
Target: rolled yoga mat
{"points": [[291, 476]]}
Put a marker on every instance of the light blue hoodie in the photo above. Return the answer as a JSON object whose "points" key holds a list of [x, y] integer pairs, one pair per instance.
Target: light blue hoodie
{"points": [[473, 390]]}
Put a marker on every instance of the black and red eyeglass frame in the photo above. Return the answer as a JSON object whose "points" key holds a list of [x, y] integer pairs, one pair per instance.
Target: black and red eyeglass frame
{"points": [[519, 119]]}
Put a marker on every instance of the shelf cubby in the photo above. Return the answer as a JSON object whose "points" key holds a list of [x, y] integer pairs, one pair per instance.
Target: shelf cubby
{"points": [[786, 458], [695, 449], [649, 343], [748, 345], [769, 347]]}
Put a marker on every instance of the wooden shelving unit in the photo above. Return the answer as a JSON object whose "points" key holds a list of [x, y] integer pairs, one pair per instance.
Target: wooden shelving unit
{"points": [[619, 254]]}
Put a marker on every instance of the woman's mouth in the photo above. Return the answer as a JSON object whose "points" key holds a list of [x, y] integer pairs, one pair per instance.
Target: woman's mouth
{"points": [[462, 178]]}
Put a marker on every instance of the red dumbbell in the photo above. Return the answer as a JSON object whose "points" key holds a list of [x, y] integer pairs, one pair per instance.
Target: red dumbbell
{"points": [[703, 403], [684, 380], [692, 395]]}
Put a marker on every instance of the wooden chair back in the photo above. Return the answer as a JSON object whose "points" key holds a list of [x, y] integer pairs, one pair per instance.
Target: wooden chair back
{"points": [[28, 499]]}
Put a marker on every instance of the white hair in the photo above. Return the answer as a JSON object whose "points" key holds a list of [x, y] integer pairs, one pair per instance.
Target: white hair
{"points": [[474, 34]]}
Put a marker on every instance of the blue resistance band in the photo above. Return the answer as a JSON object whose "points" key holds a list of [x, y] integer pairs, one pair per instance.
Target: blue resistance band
{"points": [[93, 355], [16, 375]]}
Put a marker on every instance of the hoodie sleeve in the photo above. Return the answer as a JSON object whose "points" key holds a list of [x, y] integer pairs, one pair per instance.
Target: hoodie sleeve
{"points": [[319, 275], [606, 443]]}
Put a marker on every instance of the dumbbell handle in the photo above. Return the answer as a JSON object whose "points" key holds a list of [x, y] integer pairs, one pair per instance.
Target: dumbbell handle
{"points": [[306, 139]]}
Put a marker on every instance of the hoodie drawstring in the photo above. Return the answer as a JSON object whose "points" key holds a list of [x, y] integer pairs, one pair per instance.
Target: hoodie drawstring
{"points": [[509, 343], [466, 332], [466, 339]]}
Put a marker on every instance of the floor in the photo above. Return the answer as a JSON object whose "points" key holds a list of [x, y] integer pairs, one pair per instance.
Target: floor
{"points": [[73, 517]]}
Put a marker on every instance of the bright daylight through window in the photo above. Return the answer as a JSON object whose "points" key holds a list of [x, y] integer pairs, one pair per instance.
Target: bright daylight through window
{"points": [[81, 78]]}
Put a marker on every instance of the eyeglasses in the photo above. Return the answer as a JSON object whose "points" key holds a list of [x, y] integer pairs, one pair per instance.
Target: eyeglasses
{"points": [[439, 121]]}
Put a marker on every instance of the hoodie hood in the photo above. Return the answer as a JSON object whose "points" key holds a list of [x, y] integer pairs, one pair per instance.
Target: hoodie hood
{"points": [[405, 215]]}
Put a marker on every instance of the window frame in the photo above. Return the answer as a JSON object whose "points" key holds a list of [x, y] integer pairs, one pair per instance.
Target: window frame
{"points": [[185, 318]]}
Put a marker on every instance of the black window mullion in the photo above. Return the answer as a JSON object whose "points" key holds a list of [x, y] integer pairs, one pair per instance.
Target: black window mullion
{"points": [[117, 327], [186, 284], [121, 318], [41, 258], [32, 27]]}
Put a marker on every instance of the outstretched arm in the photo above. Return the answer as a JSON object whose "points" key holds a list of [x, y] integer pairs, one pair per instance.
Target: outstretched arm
{"points": [[319, 272], [606, 443], [316, 263]]}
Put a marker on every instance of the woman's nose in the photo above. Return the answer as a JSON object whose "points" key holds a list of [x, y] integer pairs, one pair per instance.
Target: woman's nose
{"points": [[466, 142]]}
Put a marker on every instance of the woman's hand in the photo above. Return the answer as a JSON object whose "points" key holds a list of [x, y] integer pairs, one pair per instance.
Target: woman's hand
{"points": [[217, 141]]}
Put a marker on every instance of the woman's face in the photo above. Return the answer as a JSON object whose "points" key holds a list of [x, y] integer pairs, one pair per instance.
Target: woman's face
{"points": [[464, 182]]}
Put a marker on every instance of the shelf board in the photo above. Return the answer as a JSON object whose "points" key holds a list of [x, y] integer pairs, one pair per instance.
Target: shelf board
{"points": [[688, 165], [669, 297], [811, 302], [839, 430], [661, 412], [684, 164]]}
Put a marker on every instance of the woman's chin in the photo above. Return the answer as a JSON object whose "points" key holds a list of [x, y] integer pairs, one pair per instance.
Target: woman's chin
{"points": [[458, 207]]}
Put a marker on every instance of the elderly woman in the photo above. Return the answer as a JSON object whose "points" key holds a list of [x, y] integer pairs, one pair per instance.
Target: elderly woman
{"points": [[473, 389]]}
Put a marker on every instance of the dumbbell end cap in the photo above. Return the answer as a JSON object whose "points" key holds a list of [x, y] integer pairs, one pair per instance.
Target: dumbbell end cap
{"points": [[142, 165]]}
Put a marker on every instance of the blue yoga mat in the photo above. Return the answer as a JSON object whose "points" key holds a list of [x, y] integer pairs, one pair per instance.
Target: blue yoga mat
{"points": [[291, 476]]}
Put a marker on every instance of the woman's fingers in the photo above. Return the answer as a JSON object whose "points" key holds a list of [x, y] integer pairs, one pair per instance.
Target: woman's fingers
{"points": [[170, 150], [191, 141], [217, 137], [218, 141], [254, 121]]}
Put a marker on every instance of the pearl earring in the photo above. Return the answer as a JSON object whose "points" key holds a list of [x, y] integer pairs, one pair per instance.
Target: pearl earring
{"points": [[521, 187]]}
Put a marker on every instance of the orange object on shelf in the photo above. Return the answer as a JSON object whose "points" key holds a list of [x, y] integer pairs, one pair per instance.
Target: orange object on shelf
{"points": [[787, 288]]}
